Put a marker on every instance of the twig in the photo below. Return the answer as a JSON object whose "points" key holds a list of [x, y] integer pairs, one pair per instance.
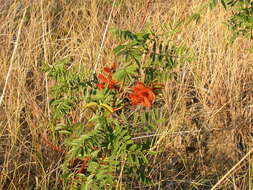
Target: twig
{"points": [[103, 39], [12, 57], [84, 164], [120, 175], [52, 146], [45, 55], [145, 135], [232, 170], [168, 133], [145, 15]]}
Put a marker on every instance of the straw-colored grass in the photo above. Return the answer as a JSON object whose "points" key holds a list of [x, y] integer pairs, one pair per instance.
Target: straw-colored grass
{"points": [[211, 104]]}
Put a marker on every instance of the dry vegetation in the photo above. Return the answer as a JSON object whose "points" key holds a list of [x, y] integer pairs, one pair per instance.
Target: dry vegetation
{"points": [[211, 104]]}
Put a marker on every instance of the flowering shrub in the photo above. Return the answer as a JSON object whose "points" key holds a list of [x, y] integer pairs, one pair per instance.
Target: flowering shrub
{"points": [[97, 117]]}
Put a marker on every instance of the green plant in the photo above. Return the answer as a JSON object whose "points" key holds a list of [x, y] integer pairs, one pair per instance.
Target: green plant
{"points": [[151, 55], [241, 19], [239, 23], [98, 119]]}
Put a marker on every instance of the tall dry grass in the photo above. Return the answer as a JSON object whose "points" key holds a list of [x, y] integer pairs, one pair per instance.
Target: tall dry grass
{"points": [[210, 106]]}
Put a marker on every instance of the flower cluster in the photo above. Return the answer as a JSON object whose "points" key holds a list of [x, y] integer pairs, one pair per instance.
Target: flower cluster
{"points": [[107, 80], [140, 95]]}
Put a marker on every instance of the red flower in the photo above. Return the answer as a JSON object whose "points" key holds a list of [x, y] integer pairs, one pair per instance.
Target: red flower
{"points": [[109, 81], [103, 81], [142, 95], [107, 70]]}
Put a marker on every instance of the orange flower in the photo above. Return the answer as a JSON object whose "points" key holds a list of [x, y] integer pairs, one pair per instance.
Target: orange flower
{"points": [[142, 95], [107, 70], [109, 81], [103, 81]]}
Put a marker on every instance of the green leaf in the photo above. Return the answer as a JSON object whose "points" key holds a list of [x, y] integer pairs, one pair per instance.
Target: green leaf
{"points": [[213, 4], [119, 49], [129, 142], [224, 4], [123, 34], [65, 132], [133, 147], [92, 166], [128, 71], [196, 17], [86, 186]]}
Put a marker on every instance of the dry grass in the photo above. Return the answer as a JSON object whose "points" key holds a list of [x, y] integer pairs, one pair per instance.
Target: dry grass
{"points": [[212, 103]]}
